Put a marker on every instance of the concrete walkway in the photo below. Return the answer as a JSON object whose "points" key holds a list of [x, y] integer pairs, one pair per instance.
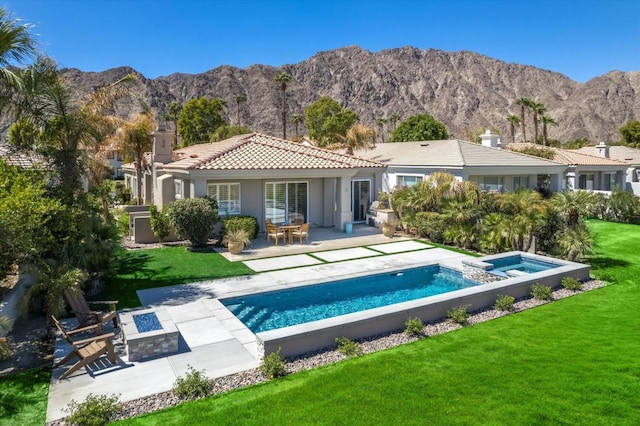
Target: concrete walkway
{"points": [[211, 338]]}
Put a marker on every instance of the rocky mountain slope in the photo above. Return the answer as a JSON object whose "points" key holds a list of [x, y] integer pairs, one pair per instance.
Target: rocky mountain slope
{"points": [[464, 90]]}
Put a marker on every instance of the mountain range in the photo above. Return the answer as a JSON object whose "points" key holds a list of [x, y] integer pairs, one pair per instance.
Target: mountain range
{"points": [[464, 90]]}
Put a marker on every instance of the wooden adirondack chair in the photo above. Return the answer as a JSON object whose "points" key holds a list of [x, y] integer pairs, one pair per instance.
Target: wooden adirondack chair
{"points": [[85, 315], [86, 350]]}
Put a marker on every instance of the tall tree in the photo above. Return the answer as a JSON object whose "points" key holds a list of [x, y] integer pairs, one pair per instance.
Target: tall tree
{"points": [[239, 98], [538, 111], [421, 127], [514, 122], [359, 136], [547, 121], [172, 114], [381, 122], [136, 137], [16, 45], [283, 79], [524, 104], [199, 119], [630, 133], [394, 120], [527, 211], [327, 121], [296, 119]]}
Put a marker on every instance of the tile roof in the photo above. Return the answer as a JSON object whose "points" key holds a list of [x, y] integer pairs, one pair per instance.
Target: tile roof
{"points": [[621, 153], [449, 153], [571, 157], [262, 152], [16, 158]]}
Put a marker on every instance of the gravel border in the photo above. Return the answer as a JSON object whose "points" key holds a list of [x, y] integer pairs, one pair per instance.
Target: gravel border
{"points": [[331, 355]]}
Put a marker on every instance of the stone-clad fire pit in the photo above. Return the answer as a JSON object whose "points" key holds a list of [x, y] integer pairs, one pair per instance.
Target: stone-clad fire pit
{"points": [[149, 333]]}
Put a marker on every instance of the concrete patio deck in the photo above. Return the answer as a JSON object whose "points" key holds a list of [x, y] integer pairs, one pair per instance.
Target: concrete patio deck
{"points": [[211, 338]]}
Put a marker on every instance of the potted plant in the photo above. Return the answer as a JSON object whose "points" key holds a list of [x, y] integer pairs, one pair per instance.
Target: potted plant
{"points": [[388, 228], [235, 240]]}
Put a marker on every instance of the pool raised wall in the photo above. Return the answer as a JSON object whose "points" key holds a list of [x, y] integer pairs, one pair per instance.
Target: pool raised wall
{"points": [[316, 335]]}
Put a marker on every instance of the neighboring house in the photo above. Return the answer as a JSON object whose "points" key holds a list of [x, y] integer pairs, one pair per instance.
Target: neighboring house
{"points": [[585, 171], [12, 156], [116, 159], [262, 176], [492, 168], [628, 155]]}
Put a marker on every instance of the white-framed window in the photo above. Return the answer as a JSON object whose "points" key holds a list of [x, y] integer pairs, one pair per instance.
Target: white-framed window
{"points": [[286, 201], [408, 180], [228, 197], [178, 186], [520, 182], [491, 183]]}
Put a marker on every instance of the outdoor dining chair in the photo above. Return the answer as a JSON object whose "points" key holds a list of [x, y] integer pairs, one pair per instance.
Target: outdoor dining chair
{"points": [[301, 233]]}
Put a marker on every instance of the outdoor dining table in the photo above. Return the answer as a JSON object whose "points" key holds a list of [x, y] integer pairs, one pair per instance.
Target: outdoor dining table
{"points": [[288, 229]]}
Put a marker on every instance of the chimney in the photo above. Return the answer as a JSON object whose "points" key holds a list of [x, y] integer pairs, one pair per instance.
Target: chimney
{"points": [[162, 152], [602, 150], [490, 139]]}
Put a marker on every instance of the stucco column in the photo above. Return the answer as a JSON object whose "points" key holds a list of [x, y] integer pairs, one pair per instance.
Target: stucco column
{"points": [[344, 202], [571, 177]]}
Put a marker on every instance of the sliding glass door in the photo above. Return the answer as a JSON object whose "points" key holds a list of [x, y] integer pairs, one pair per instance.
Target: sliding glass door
{"points": [[286, 201], [360, 199]]}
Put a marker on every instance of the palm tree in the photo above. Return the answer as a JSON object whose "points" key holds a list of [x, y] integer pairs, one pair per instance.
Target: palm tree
{"points": [[547, 121], [16, 45], [358, 136], [574, 206], [283, 79], [575, 243], [538, 111], [381, 122], [514, 122], [239, 98], [296, 119], [524, 103], [173, 112], [394, 120], [528, 211], [136, 138], [53, 279]]}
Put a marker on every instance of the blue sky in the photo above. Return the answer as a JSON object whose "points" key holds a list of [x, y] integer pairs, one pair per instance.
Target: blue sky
{"points": [[581, 39]]}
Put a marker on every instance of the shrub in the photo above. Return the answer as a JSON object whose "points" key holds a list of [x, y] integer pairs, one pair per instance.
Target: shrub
{"points": [[414, 327], [541, 292], [96, 410], [122, 218], [193, 385], [348, 348], [571, 283], [5, 350], [273, 365], [431, 225], [504, 302], [459, 315], [193, 219], [159, 222], [246, 223]]}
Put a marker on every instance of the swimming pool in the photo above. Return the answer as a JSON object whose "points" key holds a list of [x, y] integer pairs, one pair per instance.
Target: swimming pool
{"points": [[272, 310], [519, 263]]}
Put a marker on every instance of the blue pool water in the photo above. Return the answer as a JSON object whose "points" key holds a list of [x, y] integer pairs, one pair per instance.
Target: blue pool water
{"points": [[521, 264], [268, 311], [147, 322]]}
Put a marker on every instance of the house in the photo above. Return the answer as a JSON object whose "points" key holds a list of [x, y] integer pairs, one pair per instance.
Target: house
{"points": [[585, 171], [262, 176], [14, 157], [626, 154], [492, 168]]}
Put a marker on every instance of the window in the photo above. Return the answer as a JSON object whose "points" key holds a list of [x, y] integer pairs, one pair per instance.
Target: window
{"points": [[177, 185], [490, 183], [286, 201], [520, 182], [408, 180], [609, 181], [585, 181], [228, 197]]}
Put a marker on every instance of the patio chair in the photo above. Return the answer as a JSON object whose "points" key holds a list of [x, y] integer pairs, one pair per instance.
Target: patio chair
{"points": [[86, 316], [303, 232], [274, 233], [266, 234], [86, 350]]}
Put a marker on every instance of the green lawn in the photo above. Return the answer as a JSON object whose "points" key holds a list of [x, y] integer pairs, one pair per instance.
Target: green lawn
{"points": [[23, 397], [142, 269], [574, 361]]}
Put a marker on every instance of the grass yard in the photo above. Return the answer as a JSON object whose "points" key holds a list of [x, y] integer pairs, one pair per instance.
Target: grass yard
{"points": [[160, 267], [23, 397], [574, 361]]}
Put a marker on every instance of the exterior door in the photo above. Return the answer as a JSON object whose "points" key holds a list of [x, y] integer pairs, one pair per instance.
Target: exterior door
{"points": [[360, 199]]}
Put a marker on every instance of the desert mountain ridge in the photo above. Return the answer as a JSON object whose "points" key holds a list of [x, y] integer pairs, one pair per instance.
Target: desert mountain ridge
{"points": [[464, 90]]}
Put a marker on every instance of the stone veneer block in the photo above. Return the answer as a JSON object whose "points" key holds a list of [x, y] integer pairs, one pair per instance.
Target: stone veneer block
{"points": [[149, 344]]}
